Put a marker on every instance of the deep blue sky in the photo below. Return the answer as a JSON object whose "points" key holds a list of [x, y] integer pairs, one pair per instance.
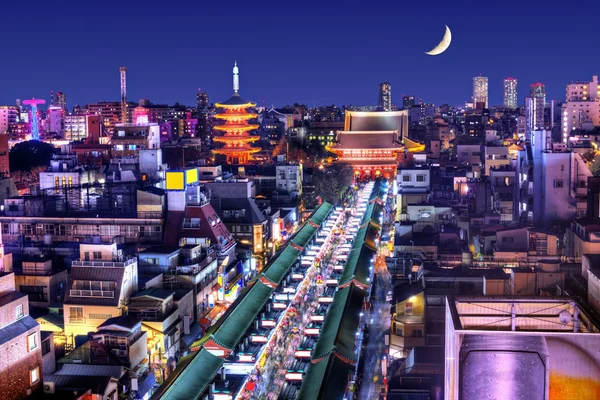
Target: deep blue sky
{"points": [[292, 51]]}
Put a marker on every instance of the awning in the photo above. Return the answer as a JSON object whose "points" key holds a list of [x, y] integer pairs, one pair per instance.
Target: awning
{"points": [[145, 386]]}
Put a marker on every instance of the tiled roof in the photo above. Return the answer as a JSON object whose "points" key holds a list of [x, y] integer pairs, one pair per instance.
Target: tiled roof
{"points": [[367, 140], [106, 274], [206, 229], [17, 328]]}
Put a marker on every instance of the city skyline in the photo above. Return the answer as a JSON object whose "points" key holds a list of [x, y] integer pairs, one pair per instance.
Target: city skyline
{"points": [[390, 55]]}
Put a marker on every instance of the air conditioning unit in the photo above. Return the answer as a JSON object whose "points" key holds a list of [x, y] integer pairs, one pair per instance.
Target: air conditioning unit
{"points": [[49, 387]]}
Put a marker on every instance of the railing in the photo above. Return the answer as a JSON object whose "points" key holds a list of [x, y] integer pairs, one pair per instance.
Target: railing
{"points": [[109, 264], [107, 294]]}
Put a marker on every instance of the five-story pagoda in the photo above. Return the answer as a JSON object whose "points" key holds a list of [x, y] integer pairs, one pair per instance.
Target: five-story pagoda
{"points": [[237, 138]]}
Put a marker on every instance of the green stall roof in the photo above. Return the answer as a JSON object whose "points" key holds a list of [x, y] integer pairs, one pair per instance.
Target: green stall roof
{"points": [[192, 380], [321, 213], [304, 235], [235, 326], [326, 379], [338, 333], [357, 266], [282, 264]]}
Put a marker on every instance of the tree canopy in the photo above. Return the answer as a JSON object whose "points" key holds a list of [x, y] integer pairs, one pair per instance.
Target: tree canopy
{"points": [[26, 156], [332, 181]]}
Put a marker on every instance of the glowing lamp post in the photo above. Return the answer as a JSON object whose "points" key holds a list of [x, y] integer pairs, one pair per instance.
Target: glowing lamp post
{"points": [[35, 125]]}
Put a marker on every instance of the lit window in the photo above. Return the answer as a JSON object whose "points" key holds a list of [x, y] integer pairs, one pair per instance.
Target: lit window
{"points": [[19, 311], [34, 375], [32, 341]]}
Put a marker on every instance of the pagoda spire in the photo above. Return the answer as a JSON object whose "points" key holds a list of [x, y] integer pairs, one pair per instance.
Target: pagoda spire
{"points": [[236, 78]]}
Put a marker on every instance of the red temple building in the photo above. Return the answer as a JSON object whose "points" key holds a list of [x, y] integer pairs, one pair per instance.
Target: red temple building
{"points": [[374, 142], [237, 139]]}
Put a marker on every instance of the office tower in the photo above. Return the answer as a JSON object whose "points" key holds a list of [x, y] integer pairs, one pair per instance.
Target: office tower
{"points": [[510, 93], [61, 100], [581, 110], [202, 100], [385, 96], [480, 91]]}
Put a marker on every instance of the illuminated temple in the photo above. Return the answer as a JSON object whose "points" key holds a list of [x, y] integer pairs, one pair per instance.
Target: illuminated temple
{"points": [[236, 139], [374, 142]]}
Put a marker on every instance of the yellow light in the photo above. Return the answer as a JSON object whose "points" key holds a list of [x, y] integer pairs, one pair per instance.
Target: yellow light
{"points": [[413, 299]]}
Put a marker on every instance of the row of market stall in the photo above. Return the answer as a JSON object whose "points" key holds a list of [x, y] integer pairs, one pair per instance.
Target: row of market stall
{"points": [[331, 370], [227, 360]]}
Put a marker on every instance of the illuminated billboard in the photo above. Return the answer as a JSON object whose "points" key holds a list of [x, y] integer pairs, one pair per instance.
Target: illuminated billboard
{"points": [[191, 176], [175, 180], [533, 348]]}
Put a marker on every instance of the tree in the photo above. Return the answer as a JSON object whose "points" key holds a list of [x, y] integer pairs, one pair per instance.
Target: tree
{"points": [[26, 156], [332, 181]]}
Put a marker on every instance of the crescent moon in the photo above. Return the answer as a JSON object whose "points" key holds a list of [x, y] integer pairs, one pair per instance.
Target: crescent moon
{"points": [[443, 45]]}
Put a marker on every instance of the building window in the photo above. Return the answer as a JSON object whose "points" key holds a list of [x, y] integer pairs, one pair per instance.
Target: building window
{"points": [[97, 255], [19, 311], [508, 239], [405, 178], [558, 183], [34, 375], [408, 308], [75, 314], [32, 342], [420, 178]]}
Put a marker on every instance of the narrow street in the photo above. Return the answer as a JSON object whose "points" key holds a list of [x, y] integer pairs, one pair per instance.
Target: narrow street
{"points": [[373, 351]]}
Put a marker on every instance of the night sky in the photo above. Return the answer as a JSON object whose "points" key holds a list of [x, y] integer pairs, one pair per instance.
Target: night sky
{"points": [[292, 51]]}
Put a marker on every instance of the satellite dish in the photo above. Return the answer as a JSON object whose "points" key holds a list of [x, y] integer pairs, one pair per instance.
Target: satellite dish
{"points": [[565, 317]]}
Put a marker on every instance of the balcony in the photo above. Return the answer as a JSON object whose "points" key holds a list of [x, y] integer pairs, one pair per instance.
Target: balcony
{"points": [[107, 294], [105, 264]]}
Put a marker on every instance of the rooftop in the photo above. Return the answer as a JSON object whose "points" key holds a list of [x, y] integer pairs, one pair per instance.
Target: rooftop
{"points": [[521, 313]]}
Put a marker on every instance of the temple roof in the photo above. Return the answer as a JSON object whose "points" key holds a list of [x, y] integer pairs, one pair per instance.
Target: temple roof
{"points": [[236, 100], [367, 140]]}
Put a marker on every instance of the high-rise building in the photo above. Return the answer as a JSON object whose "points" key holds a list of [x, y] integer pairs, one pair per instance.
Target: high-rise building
{"points": [[202, 100], [124, 112], [61, 100], [535, 106], [385, 96], [8, 115], [480, 91], [510, 93], [407, 101], [581, 110]]}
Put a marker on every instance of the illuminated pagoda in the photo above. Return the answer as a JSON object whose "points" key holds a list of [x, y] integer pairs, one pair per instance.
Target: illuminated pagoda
{"points": [[373, 143], [237, 138]]}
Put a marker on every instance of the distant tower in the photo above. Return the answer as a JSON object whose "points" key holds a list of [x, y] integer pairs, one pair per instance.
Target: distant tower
{"points": [[201, 100], [51, 98], [510, 93], [385, 96], [123, 71], [236, 78], [480, 91], [236, 115], [535, 106], [35, 123], [61, 101]]}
